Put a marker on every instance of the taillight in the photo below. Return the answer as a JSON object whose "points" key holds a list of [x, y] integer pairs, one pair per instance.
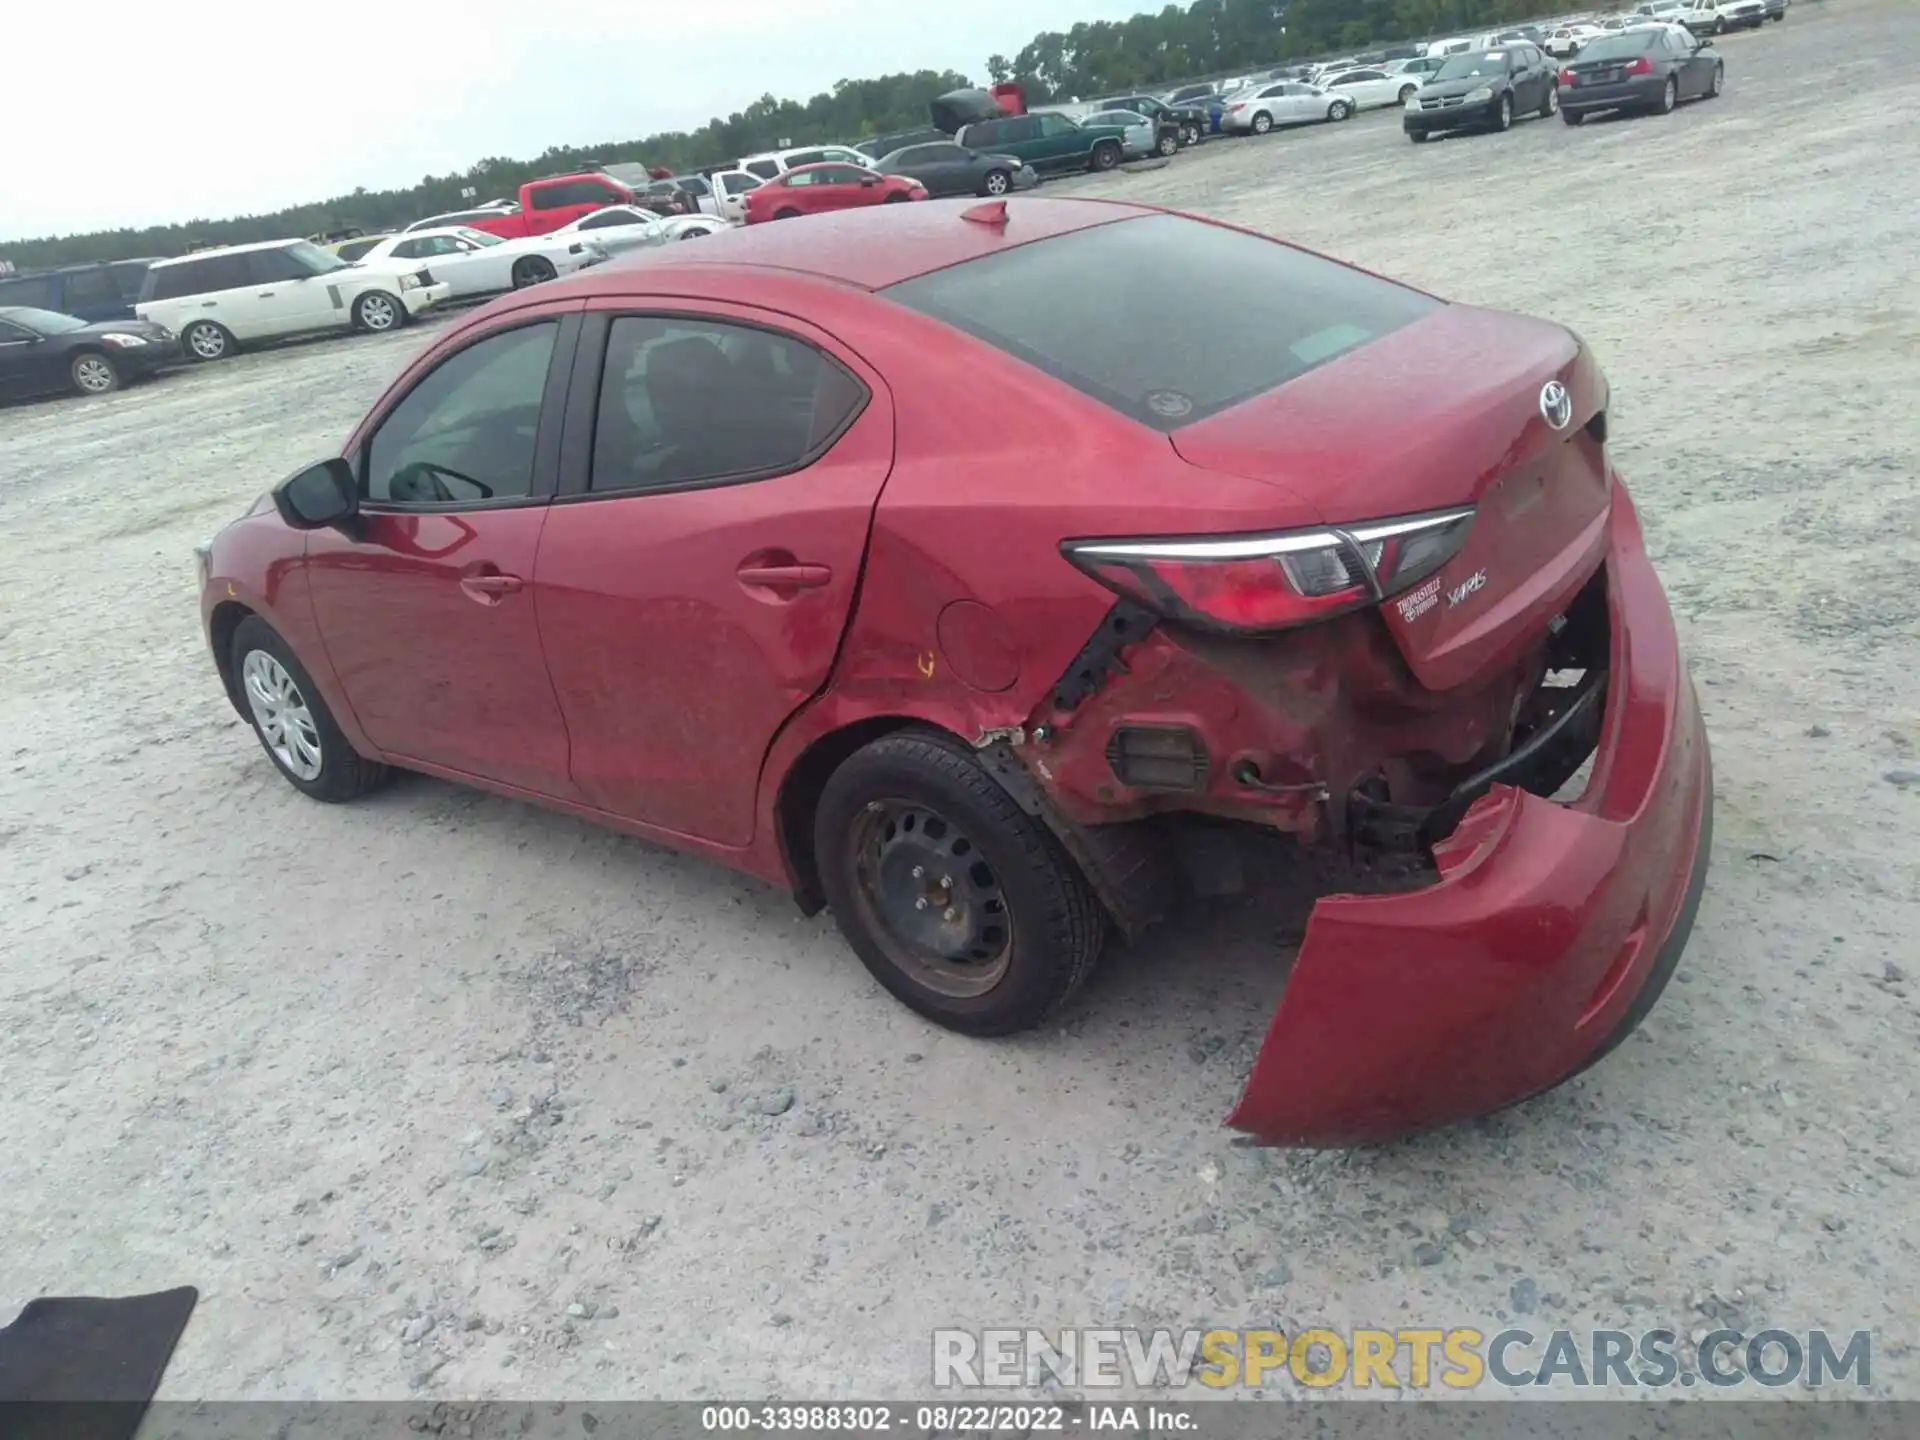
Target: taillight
{"points": [[1642, 66], [1566, 77], [1275, 581]]}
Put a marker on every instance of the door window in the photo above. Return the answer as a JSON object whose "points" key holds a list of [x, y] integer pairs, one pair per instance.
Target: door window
{"points": [[612, 215], [11, 334], [36, 292], [685, 402], [266, 267], [89, 288], [1051, 125], [202, 277], [466, 433], [765, 169]]}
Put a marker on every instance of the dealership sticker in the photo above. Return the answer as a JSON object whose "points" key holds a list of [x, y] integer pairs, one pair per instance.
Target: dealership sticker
{"points": [[1416, 603]]}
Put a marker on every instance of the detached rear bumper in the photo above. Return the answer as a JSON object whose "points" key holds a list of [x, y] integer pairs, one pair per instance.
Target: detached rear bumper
{"points": [[1552, 929]]}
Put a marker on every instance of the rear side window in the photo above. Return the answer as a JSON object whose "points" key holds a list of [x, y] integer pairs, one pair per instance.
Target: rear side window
{"points": [[197, 277], [688, 402], [1214, 316], [89, 289], [37, 292]]}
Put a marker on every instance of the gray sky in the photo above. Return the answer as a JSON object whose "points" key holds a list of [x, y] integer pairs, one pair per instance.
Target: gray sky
{"points": [[209, 108]]}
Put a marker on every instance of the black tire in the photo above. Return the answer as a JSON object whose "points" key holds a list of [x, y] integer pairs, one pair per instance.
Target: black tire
{"points": [[532, 270], [1054, 927], [343, 774], [1418, 137], [1505, 119], [1717, 27], [788, 214], [1167, 145], [94, 373], [1189, 134], [1407, 92], [1262, 123], [1669, 97], [1717, 84], [1573, 117], [1550, 106], [894, 199], [205, 341], [1340, 110], [996, 183], [377, 312], [1106, 154]]}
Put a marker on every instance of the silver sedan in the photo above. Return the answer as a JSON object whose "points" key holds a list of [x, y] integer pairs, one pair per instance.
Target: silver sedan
{"points": [[619, 228]]}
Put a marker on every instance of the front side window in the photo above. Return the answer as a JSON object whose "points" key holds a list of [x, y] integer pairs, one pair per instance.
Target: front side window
{"points": [[89, 287], [797, 178], [612, 215], [842, 175], [686, 401], [765, 169], [269, 266], [357, 249], [44, 322], [805, 157], [1051, 125], [466, 433]]}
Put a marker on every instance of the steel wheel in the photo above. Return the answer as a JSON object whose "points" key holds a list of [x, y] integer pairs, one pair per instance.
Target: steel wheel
{"points": [[281, 713], [206, 340], [95, 375], [931, 898], [377, 311]]}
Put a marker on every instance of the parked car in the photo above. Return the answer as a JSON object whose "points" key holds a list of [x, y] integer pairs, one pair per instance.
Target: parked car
{"points": [[1049, 143], [880, 145], [1484, 90], [1661, 9], [1239, 555], [471, 262], [1192, 95], [1566, 41], [1715, 17], [551, 202], [1777, 9], [1288, 102], [815, 189], [103, 290], [356, 248], [1417, 66], [43, 352], [459, 217], [218, 300], [619, 228], [1191, 123], [778, 162], [1140, 136], [1372, 89], [730, 189], [946, 169], [1653, 69]]}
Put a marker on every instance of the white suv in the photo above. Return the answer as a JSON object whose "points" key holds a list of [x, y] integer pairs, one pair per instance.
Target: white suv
{"points": [[216, 300], [775, 163]]}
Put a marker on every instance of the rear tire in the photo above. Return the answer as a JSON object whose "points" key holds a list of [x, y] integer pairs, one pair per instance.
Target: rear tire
{"points": [[292, 722], [893, 199], [1262, 123], [909, 813], [94, 373], [786, 214], [1106, 155], [378, 312], [1669, 96], [1573, 117], [1551, 105], [1418, 137], [1407, 93], [207, 340], [532, 270]]}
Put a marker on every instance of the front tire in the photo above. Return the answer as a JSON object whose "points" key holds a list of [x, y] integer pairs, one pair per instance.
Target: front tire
{"points": [[996, 182], [94, 374], [378, 312], [1551, 105], [532, 270], [1167, 146], [1717, 84], [1573, 117], [207, 340], [1106, 155], [292, 722], [1339, 110], [960, 903], [1407, 93], [1418, 137], [1505, 120]]}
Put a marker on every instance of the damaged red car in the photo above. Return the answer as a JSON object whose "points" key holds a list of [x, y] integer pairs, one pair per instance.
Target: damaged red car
{"points": [[895, 559]]}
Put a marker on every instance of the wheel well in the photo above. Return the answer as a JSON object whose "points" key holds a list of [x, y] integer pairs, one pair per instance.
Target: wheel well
{"points": [[800, 797], [227, 616]]}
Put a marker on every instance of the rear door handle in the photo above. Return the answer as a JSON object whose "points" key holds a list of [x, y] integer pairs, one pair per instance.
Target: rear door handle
{"points": [[785, 577], [487, 589]]}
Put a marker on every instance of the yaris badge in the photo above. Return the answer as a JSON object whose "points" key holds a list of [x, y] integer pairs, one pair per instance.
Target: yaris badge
{"points": [[1556, 405]]}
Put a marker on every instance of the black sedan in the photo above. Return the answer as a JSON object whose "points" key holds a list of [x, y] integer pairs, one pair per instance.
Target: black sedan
{"points": [[949, 169], [43, 352], [1484, 90], [1640, 70]]}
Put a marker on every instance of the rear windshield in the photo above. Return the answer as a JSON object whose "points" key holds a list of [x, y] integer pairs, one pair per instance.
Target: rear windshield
{"points": [[1614, 47], [1165, 319]]}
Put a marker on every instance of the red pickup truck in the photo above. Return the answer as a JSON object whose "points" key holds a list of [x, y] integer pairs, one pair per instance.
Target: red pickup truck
{"points": [[556, 200]]}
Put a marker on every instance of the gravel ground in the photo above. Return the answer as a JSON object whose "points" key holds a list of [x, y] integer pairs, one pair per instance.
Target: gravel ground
{"points": [[443, 1092]]}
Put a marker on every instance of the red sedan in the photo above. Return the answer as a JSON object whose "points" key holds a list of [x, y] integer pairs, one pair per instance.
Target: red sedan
{"points": [[892, 562], [814, 189]]}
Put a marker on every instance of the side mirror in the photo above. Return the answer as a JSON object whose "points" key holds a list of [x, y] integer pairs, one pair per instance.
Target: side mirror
{"points": [[319, 496]]}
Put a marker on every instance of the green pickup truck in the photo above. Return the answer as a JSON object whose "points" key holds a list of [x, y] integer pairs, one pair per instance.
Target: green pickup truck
{"points": [[1049, 143]]}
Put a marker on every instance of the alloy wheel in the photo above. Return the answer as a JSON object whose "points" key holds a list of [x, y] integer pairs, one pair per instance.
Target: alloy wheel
{"points": [[209, 342], [280, 711], [93, 374], [935, 903], [377, 312], [996, 184]]}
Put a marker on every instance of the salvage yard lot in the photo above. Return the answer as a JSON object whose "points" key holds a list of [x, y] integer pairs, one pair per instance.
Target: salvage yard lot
{"points": [[398, 1084]]}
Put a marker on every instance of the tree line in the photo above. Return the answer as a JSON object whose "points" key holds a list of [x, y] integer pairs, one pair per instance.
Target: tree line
{"points": [[1206, 38]]}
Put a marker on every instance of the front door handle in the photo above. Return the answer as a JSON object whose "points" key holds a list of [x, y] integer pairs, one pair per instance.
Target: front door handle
{"points": [[785, 577]]}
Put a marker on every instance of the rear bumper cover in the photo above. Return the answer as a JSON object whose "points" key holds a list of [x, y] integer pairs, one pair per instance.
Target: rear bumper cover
{"points": [[1548, 934], [1641, 91]]}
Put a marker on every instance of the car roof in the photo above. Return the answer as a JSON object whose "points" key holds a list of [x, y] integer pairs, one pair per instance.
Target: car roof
{"points": [[872, 248], [232, 250]]}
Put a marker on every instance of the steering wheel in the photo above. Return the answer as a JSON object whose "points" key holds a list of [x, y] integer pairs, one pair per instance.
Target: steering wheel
{"points": [[422, 480]]}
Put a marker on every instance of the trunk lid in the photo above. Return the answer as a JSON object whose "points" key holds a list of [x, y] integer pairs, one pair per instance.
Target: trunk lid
{"points": [[1447, 411]]}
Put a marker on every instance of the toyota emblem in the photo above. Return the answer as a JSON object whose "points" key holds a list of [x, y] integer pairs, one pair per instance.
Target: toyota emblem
{"points": [[1556, 405]]}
